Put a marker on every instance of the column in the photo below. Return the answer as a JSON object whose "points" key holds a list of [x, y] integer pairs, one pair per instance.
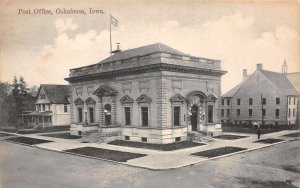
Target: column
{"points": [[113, 111], [101, 113]]}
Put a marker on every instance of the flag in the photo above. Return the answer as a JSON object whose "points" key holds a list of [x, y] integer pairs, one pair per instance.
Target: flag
{"points": [[113, 21]]}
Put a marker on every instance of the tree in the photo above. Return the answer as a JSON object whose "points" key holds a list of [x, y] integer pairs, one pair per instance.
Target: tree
{"points": [[4, 93]]}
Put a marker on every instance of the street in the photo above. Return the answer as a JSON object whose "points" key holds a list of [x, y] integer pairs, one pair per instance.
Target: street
{"points": [[24, 166]]}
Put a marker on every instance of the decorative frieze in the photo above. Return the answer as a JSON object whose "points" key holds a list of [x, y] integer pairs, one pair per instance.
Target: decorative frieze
{"points": [[210, 86], [127, 86], [144, 85], [176, 85]]}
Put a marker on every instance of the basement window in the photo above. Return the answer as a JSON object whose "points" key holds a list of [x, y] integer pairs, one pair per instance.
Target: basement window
{"points": [[127, 138], [177, 139], [144, 139]]}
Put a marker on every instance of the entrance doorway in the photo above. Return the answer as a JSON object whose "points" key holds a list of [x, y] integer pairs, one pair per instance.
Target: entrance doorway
{"points": [[194, 117]]}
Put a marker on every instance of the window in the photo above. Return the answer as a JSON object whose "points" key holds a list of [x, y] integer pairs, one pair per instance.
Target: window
{"points": [[107, 113], [222, 113], [250, 101], [79, 114], [65, 108], [277, 112], [238, 101], [250, 112], [144, 111], [176, 116], [238, 112], [294, 113], [290, 100], [264, 101], [277, 100], [91, 114], [228, 112], [294, 100], [127, 116], [228, 101], [263, 112], [222, 101], [144, 139], [42, 96], [289, 112], [127, 138], [177, 139], [44, 107], [210, 110]]}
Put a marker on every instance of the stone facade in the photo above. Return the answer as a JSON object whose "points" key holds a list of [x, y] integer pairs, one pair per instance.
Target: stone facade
{"points": [[264, 96], [147, 94]]}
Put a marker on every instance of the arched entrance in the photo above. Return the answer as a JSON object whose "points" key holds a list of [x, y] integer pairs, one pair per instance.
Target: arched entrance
{"points": [[194, 117]]}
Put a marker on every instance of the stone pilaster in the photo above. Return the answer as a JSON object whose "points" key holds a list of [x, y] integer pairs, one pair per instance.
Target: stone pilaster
{"points": [[113, 111], [161, 87], [101, 112]]}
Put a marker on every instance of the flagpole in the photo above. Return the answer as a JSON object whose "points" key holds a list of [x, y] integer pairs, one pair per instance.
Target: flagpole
{"points": [[110, 35]]}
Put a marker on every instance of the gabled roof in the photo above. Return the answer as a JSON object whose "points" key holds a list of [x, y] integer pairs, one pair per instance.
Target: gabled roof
{"points": [[278, 79], [57, 94], [281, 81], [231, 92], [142, 51]]}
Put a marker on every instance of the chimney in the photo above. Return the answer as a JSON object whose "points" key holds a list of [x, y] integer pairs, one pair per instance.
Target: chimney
{"points": [[259, 66], [245, 75], [117, 50]]}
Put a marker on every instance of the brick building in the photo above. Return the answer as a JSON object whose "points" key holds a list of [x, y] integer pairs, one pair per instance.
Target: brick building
{"points": [[264, 96], [152, 94]]}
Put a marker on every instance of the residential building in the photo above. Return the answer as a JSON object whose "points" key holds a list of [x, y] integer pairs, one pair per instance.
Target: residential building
{"points": [[151, 94], [52, 107], [265, 96]]}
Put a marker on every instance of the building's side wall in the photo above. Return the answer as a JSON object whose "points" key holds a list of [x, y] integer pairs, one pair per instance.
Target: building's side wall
{"points": [[292, 109], [60, 117], [255, 88]]}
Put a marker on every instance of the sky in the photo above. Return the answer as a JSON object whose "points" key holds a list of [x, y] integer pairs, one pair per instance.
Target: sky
{"points": [[42, 47]]}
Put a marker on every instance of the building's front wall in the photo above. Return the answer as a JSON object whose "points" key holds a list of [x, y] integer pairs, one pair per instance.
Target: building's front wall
{"points": [[256, 88], [292, 110], [160, 86]]}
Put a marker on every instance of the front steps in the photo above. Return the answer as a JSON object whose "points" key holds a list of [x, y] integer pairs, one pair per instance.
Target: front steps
{"points": [[199, 136]]}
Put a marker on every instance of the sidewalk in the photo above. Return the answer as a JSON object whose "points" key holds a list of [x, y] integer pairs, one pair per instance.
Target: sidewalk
{"points": [[162, 160]]}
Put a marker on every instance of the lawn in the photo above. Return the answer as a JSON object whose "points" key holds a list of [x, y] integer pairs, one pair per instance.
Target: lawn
{"points": [[269, 141], [63, 135], [45, 130], [162, 147], [5, 134], [297, 134], [28, 141], [229, 137], [248, 130], [218, 151], [105, 154]]}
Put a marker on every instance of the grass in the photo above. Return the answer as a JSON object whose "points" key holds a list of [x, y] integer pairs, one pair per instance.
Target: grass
{"points": [[248, 130], [45, 130], [28, 141], [297, 134], [162, 147], [249, 182], [229, 137], [63, 135], [269, 141], [8, 129], [218, 151], [5, 134], [106, 154]]}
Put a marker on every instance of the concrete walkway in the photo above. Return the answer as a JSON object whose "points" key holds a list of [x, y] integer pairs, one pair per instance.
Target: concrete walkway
{"points": [[162, 160]]}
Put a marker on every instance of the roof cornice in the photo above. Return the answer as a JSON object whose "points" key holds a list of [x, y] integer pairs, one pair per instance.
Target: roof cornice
{"points": [[145, 69]]}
